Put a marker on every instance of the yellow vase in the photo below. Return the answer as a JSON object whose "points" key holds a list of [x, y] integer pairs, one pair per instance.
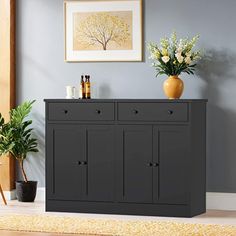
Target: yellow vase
{"points": [[173, 87]]}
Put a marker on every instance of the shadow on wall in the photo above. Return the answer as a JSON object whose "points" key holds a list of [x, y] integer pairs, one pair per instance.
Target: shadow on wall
{"points": [[104, 91], [216, 67], [35, 163], [218, 70]]}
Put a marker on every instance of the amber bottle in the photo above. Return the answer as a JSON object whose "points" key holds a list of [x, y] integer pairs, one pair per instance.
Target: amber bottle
{"points": [[82, 88], [87, 87]]}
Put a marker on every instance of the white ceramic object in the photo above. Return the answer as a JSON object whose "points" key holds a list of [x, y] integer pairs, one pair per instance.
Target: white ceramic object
{"points": [[70, 92]]}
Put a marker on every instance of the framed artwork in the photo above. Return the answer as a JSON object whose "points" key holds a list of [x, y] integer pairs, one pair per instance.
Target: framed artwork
{"points": [[103, 30]]}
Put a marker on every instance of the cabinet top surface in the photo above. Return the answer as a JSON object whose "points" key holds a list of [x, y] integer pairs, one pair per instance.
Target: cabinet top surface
{"points": [[123, 100]]}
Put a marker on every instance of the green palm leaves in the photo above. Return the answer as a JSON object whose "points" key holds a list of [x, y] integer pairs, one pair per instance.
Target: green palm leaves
{"points": [[16, 135]]}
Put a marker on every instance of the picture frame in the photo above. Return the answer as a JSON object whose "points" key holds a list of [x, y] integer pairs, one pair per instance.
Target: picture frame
{"points": [[103, 30]]}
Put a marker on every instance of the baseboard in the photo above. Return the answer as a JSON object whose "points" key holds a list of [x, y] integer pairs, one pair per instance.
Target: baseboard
{"points": [[10, 195], [40, 195], [221, 201]]}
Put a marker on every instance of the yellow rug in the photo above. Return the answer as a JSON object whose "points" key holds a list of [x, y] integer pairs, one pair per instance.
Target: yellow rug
{"points": [[76, 225]]}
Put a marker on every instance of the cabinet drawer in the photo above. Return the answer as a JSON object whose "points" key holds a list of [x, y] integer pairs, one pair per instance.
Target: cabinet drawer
{"points": [[153, 111], [81, 111]]}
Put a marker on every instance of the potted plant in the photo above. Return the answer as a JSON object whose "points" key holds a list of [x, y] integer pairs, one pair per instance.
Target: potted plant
{"points": [[173, 57], [16, 141]]}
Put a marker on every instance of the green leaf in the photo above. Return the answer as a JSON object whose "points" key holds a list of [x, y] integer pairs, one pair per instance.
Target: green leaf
{"points": [[192, 65], [18, 114], [15, 136], [1, 120]]}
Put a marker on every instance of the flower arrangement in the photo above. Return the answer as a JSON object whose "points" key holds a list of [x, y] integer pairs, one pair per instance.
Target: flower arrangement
{"points": [[173, 57]]}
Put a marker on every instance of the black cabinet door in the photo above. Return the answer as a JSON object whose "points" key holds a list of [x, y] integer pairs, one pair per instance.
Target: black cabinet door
{"points": [[100, 157], [66, 162], [80, 164], [171, 144], [134, 163]]}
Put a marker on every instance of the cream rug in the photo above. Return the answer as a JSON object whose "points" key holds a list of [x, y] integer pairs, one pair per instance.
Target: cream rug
{"points": [[76, 225]]}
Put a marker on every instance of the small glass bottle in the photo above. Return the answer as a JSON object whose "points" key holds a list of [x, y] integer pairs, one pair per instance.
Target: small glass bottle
{"points": [[82, 88], [87, 87]]}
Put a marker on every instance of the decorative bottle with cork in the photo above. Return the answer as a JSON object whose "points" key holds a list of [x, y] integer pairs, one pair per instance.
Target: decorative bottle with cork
{"points": [[87, 87], [82, 88]]}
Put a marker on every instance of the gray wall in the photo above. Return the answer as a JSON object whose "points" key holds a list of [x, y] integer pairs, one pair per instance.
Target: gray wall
{"points": [[42, 72]]}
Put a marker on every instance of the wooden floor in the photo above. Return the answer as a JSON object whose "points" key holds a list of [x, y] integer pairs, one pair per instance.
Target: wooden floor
{"points": [[37, 208]]}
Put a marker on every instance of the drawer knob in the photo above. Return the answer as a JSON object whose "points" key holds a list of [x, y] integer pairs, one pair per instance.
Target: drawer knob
{"points": [[84, 163], [135, 111], [66, 111], [98, 111], [170, 112], [81, 163], [149, 164]]}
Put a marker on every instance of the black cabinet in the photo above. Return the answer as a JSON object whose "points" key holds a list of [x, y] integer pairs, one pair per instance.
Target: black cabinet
{"points": [[153, 164], [83, 162], [100, 158], [68, 178], [172, 154], [134, 168], [126, 156]]}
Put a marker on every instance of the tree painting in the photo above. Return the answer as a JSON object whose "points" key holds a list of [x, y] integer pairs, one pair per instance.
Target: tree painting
{"points": [[103, 31]]}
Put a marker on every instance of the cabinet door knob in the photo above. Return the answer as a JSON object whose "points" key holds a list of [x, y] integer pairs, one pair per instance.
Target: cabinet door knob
{"points": [[78, 163], [65, 111], [149, 164], [155, 164], [170, 112], [135, 111], [84, 163], [98, 111]]}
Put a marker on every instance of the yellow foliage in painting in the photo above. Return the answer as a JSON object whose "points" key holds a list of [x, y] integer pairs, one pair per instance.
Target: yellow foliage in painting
{"points": [[101, 29]]}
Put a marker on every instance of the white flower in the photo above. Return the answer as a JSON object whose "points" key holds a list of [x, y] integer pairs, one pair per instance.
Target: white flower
{"points": [[178, 54], [165, 59], [179, 57], [179, 50], [181, 45], [188, 60], [188, 54]]}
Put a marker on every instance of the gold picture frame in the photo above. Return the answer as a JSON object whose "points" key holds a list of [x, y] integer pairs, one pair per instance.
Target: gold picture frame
{"points": [[103, 30]]}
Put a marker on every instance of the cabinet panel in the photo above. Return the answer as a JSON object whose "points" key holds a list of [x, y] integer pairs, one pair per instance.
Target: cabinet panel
{"points": [[82, 162], [171, 178], [69, 177], [134, 158], [81, 111], [166, 112], [100, 148]]}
